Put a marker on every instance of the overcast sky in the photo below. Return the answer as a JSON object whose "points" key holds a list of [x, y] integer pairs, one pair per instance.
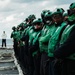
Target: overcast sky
{"points": [[13, 12]]}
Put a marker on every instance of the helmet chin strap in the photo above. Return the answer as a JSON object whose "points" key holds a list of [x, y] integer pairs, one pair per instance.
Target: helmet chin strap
{"points": [[48, 22]]}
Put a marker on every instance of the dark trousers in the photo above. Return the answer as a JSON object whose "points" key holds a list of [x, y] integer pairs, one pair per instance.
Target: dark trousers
{"points": [[51, 66], [15, 48], [37, 59], [68, 67], [26, 59], [64, 67], [23, 59], [44, 67], [57, 63], [3, 42], [31, 64]]}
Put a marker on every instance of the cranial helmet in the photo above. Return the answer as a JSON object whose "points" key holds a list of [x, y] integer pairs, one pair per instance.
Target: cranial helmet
{"points": [[59, 11], [26, 19], [48, 15], [31, 17], [71, 12], [13, 28], [37, 21], [72, 6], [43, 13]]}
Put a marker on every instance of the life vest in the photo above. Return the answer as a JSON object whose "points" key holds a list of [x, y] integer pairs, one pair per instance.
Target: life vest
{"points": [[65, 36], [44, 39], [54, 40]]}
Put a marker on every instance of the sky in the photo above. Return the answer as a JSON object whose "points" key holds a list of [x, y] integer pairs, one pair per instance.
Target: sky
{"points": [[13, 12]]}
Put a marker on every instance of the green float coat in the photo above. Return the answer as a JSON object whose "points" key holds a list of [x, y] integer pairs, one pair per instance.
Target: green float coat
{"points": [[53, 41], [47, 32], [33, 37], [65, 36]]}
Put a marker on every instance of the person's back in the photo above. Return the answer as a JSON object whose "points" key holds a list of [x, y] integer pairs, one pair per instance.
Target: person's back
{"points": [[4, 36]]}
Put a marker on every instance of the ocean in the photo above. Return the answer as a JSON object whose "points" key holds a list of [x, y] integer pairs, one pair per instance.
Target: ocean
{"points": [[9, 43]]}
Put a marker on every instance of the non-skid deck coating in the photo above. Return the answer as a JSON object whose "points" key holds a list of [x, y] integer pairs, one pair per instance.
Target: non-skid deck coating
{"points": [[7, 66]]}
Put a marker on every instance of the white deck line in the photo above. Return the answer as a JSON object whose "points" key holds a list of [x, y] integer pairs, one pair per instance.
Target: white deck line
{"points": [[17, 65]]}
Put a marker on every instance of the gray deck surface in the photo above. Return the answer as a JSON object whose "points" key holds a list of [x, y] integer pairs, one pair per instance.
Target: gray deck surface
{"points": [[7, 66]]}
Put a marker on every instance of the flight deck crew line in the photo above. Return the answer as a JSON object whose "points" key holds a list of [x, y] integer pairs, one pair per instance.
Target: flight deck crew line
{"points": [[45, 46]]}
